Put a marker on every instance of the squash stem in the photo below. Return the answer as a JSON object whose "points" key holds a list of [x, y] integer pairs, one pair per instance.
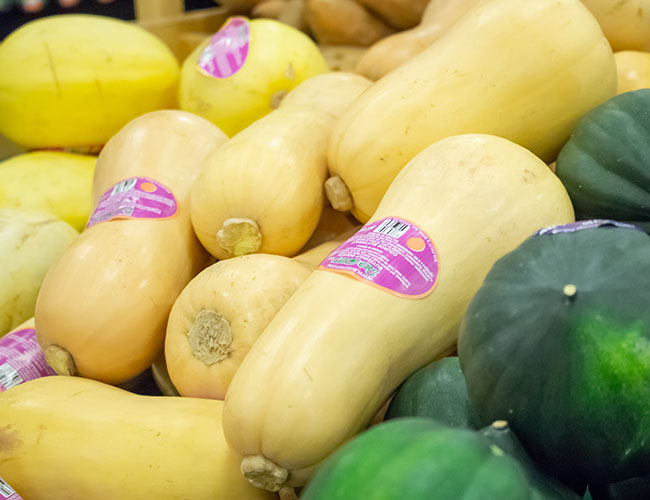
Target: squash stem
{"points": [[570, 291], [288, 493], [338, 194], [240, 237], [60, 360], [262, 473], [210, 337]]}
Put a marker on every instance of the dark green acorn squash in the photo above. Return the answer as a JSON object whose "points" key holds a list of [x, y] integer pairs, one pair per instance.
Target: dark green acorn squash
{"points": [[557, 342], [605, 164], [500, 434], [436, 391], [417, 458]]}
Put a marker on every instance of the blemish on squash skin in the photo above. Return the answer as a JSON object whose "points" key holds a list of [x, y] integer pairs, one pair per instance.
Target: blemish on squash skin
{"points": [[9, 438]]}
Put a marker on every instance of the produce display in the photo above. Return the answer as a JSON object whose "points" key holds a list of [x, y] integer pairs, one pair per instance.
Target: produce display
{"points": [[343, 250]]}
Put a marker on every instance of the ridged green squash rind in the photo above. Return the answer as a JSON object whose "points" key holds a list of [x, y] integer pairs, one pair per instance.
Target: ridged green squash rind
{"points": [[417, 458], [567, 366], [605, 165]]}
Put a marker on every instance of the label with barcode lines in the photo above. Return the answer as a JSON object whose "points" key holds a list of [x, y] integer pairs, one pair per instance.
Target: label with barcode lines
{"points": [[6, 491], [9, 377], [125, 185], [392, 227]]}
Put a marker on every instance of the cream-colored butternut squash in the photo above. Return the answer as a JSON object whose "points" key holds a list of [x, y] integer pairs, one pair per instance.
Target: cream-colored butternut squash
{"points": [[339, 347], [262, 191], [103, 307], [495, 71], [70, 438], [626, 23], [633, 69], [219, 315], [344, 22], [388, 53], [401, 14]]}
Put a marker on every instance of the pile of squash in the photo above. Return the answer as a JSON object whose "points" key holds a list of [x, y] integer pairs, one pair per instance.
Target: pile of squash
{"points": [[428, 278]]}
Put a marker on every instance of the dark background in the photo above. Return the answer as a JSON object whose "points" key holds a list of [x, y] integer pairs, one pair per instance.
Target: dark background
{"points": [[122, 9]]}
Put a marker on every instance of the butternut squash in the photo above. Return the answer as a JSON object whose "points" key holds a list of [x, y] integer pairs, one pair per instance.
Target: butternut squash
{"points": [[75, 80], [331, 225], [495, 71], [388, 53], [314, 256], [626, 23], [339, 347], [103, 307], [219, 315], [241, 73], [633, 69], [30, 243], [262, 191], [70, 438], [401, 14], [269, 8], [344, 22]]}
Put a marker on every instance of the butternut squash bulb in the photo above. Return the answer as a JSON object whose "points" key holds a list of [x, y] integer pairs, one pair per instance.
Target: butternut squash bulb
{"points": [[262, 191], [495, 71], [50, 181], [103, 307], [75, 80], [30, 243], [633, 69], [385, 303], [243, 71], [219, 316], [70, 438]]}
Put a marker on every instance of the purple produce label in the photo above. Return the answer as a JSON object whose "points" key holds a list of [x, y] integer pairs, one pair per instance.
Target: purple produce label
{"points": [[134, 198], [21, 359], [7, 492], [584, 224], [392, 254], [226, 52]]}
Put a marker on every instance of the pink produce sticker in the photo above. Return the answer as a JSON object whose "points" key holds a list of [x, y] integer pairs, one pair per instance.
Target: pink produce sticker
{"points": [[584, 224], [226, 52], [21, 359], [392, 254], [134, 198], [7, 492]]}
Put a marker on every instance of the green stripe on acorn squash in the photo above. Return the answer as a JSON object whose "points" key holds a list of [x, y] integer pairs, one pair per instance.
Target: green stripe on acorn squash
{"points": [[417, 458], [436, 391], [557, 342], [605, 165]]}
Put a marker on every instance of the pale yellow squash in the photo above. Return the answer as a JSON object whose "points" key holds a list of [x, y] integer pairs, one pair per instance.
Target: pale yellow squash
{"points": [[103, 307], [495, 71], [339, 347], [633, 69], [69, 438], [262, 191], [401, 14], [388, 53], [626, 23], [314, 256], [30, 243], [75, 80], [219, 315]]}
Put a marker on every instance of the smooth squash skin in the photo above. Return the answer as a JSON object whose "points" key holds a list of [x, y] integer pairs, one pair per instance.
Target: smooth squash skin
{"points": [[75, 80], [388, 53], [495, 71], [69, 438], [220, 314], [103, 306], [626, 23], [633, 67], [401, 14], [418, 459], [262, 191], [339, 347]]}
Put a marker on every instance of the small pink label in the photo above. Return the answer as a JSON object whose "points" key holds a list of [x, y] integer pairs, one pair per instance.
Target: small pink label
{"points": [[7, 492], [21, 359], [226, 52], [584, 224], [392, 254], [134, 198]]}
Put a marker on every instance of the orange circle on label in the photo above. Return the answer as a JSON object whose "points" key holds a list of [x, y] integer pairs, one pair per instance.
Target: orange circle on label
{"points": [[148, 187], [416, 244]]}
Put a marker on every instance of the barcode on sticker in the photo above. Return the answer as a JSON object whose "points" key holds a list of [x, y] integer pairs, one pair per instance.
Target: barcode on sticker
{"points": [[392, 227], [126, 185], [9, 377], [6, 491]]}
